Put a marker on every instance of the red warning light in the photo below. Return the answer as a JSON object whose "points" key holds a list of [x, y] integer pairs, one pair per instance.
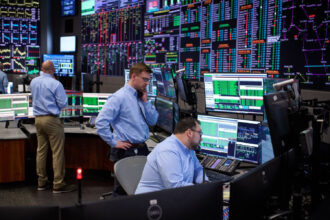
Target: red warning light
{"points": [[79, 174]]}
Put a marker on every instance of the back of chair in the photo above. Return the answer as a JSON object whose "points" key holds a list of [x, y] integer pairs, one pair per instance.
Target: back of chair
{"points": [[129, 171]]}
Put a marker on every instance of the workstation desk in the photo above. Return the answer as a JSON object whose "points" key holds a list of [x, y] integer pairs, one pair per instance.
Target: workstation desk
{"points": [[83, 147], [12, 154], [18, 146]]}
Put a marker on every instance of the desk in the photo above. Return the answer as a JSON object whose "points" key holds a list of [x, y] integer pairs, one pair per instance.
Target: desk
{"points": [[12, 155], [83, 148]]}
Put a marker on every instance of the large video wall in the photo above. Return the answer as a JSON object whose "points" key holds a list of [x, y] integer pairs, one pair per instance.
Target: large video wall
{"points": [[111, 37], [19, 36], [281, 38]]}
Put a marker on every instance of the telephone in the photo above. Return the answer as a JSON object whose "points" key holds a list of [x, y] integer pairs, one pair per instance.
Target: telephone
{"points": [[91, 122], [139, 94], [220, 164]]}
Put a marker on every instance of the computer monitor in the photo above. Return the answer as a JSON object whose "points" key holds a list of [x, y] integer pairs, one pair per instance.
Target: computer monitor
{"points": [[232, 138], [152, 86], [184, 89], [269, 82], [234, 93], [64, 64], [30, 212], [93, 103], [67, 44], [284, 121], [182, 93], [176, 114], [200, 201], [68, 7], [165, 117], [165, 83], [74, 106], [14, 106], [250, 192], [32, 65]]}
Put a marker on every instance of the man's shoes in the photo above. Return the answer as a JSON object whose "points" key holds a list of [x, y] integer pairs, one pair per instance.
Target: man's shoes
{"points": [[65, 189], [44, 187]]}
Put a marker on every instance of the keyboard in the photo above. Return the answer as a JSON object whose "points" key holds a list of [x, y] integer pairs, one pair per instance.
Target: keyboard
{"points": [[71, 125], [216, 176], [157, 138]]}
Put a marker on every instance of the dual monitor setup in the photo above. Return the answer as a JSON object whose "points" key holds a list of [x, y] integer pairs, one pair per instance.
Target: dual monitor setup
{"points": [[225, 140], [19, 106]]}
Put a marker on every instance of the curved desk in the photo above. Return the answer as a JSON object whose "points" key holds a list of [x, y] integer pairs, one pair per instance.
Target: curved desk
{"points": [[12, 155], [83, 148]]}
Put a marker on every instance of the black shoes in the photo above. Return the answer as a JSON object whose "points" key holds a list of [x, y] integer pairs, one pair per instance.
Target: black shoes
{"points": [[64, 189], [44, 187]]}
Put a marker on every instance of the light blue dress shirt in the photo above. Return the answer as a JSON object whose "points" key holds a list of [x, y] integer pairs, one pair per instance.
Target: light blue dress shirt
{"points": [[171, 164], [122, 111], [48, 95], [3, 82]]}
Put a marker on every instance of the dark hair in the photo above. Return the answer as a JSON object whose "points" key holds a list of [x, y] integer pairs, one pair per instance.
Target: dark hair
{"points": [[185, 124], [138, 68]]}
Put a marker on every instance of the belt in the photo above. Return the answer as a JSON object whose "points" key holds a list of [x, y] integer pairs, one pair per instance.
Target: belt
{"points": [[47, 115], [141, 145]]}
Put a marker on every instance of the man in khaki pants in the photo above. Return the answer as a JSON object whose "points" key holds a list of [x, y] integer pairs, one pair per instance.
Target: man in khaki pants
{"points": [[49, 98]]}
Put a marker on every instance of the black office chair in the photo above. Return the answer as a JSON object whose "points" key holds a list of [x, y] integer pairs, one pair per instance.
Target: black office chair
{"points": [[128, 172]]}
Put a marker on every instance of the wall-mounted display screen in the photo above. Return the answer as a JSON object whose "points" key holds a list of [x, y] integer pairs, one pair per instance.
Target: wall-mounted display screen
{"points": [[68, 7], [20, 36], [67, 44], [64, 64]]}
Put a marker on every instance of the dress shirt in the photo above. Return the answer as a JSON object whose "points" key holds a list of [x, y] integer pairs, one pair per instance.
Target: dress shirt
{"points": [[123, 111], [3, 82], [171, 164], [48, 95]]}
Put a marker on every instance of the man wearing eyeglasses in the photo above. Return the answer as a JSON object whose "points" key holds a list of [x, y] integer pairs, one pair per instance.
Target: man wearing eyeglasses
{"points": [[173, 162], [129, 113]]}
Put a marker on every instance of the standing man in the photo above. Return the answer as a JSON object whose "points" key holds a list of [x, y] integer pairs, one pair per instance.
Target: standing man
{"points": [[129, 113], [173, 162], [49, 98], [3, 80]]}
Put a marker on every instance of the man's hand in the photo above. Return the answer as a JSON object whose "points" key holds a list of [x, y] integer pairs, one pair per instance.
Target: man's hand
{"points": [[123, 145], [144, 96]]}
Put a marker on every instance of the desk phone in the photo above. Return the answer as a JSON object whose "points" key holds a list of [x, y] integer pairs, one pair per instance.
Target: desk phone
{"points": [[219, 164]]}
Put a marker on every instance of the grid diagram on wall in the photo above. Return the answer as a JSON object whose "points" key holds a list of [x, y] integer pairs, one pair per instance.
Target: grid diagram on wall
{"points": [[280, 38]]}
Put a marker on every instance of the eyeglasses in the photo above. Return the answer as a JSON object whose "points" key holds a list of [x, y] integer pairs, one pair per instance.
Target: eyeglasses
{"points": [[200, 132], [145, 79]]}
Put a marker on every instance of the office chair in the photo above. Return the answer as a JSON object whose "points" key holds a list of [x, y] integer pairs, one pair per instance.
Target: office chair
{"points": [[128, 172]]}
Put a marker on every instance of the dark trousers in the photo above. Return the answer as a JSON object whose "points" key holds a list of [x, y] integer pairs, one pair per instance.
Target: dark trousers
{"points": [[118, 154]]}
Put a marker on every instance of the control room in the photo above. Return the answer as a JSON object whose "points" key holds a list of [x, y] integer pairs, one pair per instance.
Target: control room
{"points": [[164, 109]]}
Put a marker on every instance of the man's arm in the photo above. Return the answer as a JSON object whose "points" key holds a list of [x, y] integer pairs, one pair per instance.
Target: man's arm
{"points": [[198, 171], [108, 114], [150, 113], [60, 96], [5, 83], [170, 169]]}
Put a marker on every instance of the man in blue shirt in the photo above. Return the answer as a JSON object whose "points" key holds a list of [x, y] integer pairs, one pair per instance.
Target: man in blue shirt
{"points": [[49, 98], [173, 162], [129, 113], [3, 80]]}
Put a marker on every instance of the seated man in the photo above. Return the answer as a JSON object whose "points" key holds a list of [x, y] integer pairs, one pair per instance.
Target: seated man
{"points": [[173, 162]]}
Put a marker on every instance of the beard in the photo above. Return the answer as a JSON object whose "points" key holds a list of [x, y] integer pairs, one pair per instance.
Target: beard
{"points": [[195, 146], [142, 89]]}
